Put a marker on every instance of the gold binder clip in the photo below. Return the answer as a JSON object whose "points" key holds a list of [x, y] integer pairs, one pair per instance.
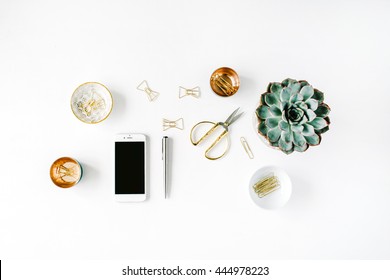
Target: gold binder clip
{"points": [[152, 95], [194, 92], [246, 147], [179, 124]]}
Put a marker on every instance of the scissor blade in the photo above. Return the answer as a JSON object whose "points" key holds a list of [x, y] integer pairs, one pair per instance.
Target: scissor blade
{"points": [[228, 120], [235, 118], [232, 118]]}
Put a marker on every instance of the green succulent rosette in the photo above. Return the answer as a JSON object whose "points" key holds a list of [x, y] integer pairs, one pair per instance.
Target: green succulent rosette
{"points": [[292, 115]]}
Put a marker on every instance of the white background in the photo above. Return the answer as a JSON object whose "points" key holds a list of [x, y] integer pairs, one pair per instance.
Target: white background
{"points": [[341, 189]]}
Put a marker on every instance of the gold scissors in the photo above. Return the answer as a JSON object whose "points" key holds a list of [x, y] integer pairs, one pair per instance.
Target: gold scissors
{"points": [[224, 125]]}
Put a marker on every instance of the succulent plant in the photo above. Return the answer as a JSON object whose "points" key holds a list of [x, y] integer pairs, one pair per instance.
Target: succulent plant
{"points": [[292, 115]]}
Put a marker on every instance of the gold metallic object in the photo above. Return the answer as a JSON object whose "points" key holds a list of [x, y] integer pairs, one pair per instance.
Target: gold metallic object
{"points": [[179, 124], [224, 81], [215, 125], [66, 172], [194, 92], [266, 185], [246, 147], [90, 105], [91, 102], [144, 86]]}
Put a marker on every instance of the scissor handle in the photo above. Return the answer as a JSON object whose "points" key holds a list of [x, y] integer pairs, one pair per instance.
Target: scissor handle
{"points": [[211, 130], [223, 134], [193, 141]]}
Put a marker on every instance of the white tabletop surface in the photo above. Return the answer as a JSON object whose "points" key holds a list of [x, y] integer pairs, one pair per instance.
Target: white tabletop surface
{"points": [[340, 204]]}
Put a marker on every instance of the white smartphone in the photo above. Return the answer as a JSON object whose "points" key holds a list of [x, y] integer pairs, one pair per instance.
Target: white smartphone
{"points": [[130, 167]]}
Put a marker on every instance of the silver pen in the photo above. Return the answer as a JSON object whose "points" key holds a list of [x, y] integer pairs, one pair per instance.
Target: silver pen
{"points": [[165, 154]]}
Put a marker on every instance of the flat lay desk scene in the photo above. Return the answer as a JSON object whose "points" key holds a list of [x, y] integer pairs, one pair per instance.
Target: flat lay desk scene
{"points": [[194, 130]]}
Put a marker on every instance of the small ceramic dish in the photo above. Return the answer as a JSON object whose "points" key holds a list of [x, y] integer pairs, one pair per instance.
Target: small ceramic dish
{"points": [[66, 172], [225, 82], [277, 198], [91, 102]]}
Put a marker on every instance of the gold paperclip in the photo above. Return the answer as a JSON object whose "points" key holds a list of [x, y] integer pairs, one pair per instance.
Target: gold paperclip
{"points": [[194, 92], [267, 185], [179, 124], [246, 147], [152, 95]]}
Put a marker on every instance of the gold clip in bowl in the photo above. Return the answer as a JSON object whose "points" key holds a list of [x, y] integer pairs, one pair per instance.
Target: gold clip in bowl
{"points": [[266, 185], [224, 81]]}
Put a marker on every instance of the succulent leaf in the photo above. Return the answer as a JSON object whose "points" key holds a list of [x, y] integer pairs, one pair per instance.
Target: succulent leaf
{"points": [[312, 104], [275, 111], [322, 110], [262, 99], [272, 122], [285, 146], [318, 95], [284, 105], [295, 87], [297, 128], [318, 123], [313, 139], [263, 129], [302, 105], [271, 99], [285, 94], [283, 125], [274, 134], [308, 129], [287, 82], [307, 92], [292, 115], [286, 136], [303, 120], [284, 117], [275, 144], [263, 112], [275, 88], [327, 120], [298, 139], [325, 129], [296, 98], [310, 115], [301, 148], [303, 83]]}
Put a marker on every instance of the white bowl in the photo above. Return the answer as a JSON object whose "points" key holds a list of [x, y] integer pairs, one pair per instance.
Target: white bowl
{"points": [[279, 197], [91, 102]]}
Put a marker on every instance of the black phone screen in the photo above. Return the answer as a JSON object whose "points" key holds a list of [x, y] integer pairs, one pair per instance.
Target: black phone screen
{"points": [[129, 167]]}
